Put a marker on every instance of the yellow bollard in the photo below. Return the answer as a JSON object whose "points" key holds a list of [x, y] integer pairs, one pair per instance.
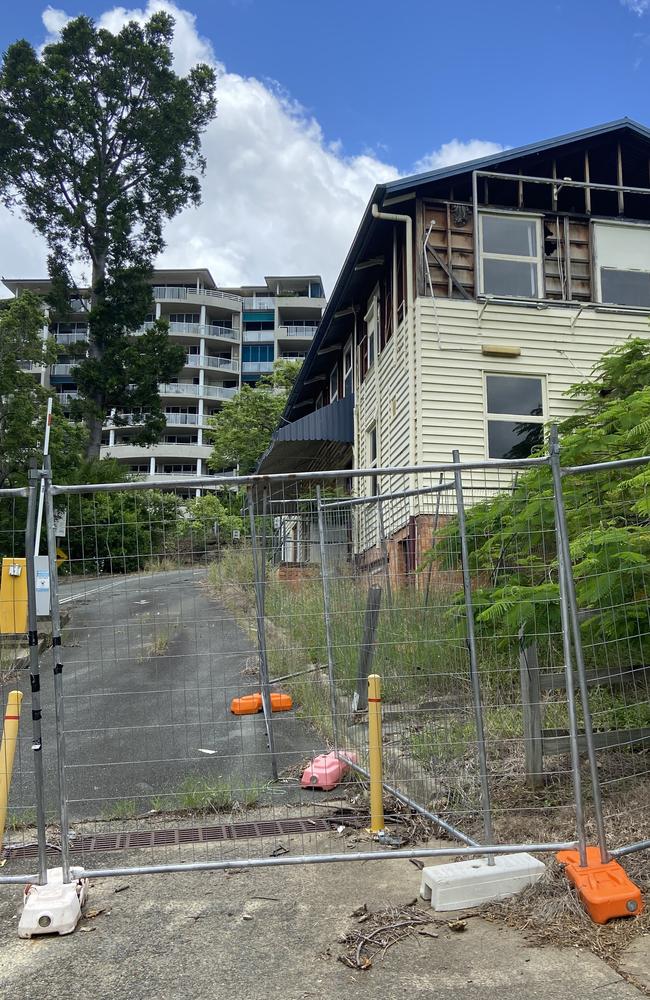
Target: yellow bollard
{"points": [[7, 751], [13, 596], [374, 752]]}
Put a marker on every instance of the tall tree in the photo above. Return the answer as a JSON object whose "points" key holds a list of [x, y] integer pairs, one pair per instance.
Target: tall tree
{"points": [[100, 144], [243, 428]]}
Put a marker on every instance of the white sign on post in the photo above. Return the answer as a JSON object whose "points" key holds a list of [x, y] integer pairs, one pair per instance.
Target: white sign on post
{"points": [[42, 574]]}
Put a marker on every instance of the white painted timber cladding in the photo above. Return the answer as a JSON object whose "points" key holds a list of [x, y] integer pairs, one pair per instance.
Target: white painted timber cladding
{"points": [[452, 365], [451, 387]]}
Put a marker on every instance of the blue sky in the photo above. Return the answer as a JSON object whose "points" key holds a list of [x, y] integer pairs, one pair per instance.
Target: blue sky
{"points": [[378, 88]]}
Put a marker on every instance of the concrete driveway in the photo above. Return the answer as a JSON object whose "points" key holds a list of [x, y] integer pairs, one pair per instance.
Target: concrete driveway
{"points": [[151, 664]]}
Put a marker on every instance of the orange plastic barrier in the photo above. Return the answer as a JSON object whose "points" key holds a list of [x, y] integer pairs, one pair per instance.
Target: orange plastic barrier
{"points": [[281, 702], [605, 889], [251, 704]]}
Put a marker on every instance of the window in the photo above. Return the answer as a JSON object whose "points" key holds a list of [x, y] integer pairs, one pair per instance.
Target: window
{"points": [[184, 317], [334, 384], [251, 325], [623, 264], [372, 459], [319, 401], [515, 415], [347, 370], [510, 263], [257, 352]]}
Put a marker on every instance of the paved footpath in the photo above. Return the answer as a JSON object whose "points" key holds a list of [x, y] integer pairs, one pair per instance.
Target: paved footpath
{"points": [[184, 937]]}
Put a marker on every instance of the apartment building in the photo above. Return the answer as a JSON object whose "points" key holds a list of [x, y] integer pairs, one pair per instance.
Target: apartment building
{"points": [[231, 337], [471, 299]]}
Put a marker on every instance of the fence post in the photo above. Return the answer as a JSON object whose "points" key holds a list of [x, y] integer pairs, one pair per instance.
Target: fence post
{"points": [[473, 660], [532, 711], [326, 612], [57, 665], [371, 620], [570, 613], [35, 483], [259, 571], [384, 552]]}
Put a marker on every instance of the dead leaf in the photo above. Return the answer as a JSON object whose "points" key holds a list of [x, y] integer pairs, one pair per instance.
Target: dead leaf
{"points": [[457, 925], [86, 930], [359, 910], [362, 919], [122, 888], [418, 864], [428, 934], [91, 914]]}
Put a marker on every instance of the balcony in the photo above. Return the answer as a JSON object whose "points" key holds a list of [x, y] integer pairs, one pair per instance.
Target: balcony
{"points": [[302, 332], [67, 397], [258, 336], [178, 293], [78, 337], [185, 419], [252, 303], [257, 366], [218, 364], [196, 391], [30, 366], [63, 369]]}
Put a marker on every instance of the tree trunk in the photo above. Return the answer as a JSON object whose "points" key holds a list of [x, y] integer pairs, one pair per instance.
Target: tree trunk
{"points": [[94, 422]]}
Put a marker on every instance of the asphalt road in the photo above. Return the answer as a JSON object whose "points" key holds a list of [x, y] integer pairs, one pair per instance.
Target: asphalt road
{"points": [[151, 664]]}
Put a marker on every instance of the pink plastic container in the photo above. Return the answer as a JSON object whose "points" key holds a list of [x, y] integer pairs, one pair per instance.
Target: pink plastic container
{"points": [[325, 771]]}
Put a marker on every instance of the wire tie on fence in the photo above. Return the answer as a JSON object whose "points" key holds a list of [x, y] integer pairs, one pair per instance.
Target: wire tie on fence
{"points": [[32, 638], [56, 640], [36, 714], [35, 682], [58, 668]]}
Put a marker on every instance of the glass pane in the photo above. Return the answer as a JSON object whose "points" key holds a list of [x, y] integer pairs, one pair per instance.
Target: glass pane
{"points": [[508, 439], [509, 277], [509, 235], [514, 394], [625, 288]]}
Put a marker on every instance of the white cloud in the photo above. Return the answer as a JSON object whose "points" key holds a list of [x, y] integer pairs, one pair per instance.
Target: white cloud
{"points": [[639, 7], [277, 196], [456, 151]]}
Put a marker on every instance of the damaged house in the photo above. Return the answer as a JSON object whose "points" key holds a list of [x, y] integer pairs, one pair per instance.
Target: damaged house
{"points": [[471, 299]]}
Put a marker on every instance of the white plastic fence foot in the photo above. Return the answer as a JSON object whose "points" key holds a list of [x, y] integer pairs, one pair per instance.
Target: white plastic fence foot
{"points": [[54, 908], [461, 884]]}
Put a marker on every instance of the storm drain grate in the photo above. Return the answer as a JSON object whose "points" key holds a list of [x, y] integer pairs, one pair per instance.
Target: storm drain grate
{"points": [[162, 838]]}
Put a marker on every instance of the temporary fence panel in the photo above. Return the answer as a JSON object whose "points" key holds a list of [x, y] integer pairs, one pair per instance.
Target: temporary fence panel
{"points": [[185, 610]]}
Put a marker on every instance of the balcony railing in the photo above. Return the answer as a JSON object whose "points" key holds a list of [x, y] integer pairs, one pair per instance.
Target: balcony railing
{"points": [[257, 366], [205, 330], [252, 302], [189, 389], [258, 336], [205, 361], [181, 293], [187, 419], [78, 337], [62, 369], [306, 332], [67, 397], [30, 366]]}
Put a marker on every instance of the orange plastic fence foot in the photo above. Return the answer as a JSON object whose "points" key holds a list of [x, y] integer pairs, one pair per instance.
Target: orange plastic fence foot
{"points": [[251, 704], [605, 889]]}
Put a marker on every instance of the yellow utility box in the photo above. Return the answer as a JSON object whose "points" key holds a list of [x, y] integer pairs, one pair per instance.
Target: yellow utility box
{"points": [[13, 596]]}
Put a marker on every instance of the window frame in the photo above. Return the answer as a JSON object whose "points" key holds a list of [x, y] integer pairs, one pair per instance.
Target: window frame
{"points": [[537, 259], [511, 417], [334, 376], [348, 371], [597, 266]]}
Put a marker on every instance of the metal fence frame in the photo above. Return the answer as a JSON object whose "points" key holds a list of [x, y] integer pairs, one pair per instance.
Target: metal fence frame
{"points": [[257, 487]]}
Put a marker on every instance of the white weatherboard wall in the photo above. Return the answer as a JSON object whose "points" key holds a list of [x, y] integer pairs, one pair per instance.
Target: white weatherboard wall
{"points": [[453, 367]]}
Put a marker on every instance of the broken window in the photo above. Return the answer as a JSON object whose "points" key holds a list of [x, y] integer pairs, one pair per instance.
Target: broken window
{"points": [[510, 260], [515, 415]]}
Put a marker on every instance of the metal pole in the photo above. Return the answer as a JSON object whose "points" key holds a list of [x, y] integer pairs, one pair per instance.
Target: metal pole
{"points": [[326, 612], [57, 663], [577, 641], [569, 682], [384, 554], [473, 660], [35, 676], [41, 497], [259, 570]]}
